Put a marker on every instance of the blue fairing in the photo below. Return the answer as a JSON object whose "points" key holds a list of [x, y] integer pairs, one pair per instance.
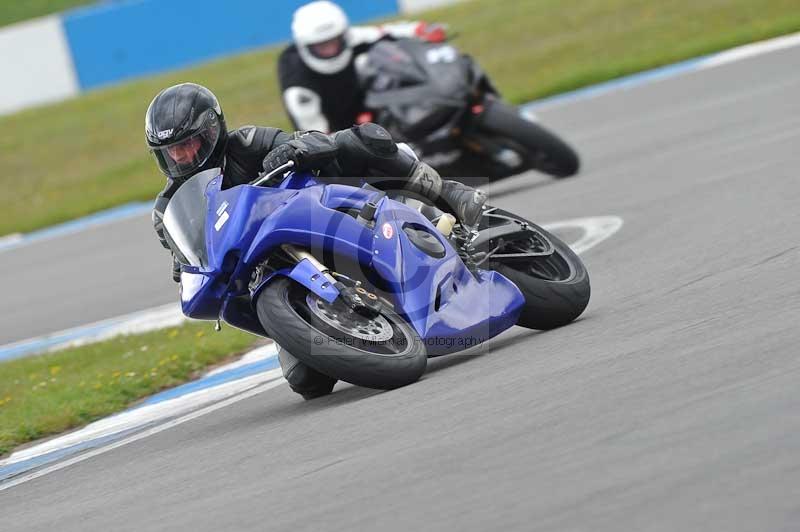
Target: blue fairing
{"points": [[450, 308]]}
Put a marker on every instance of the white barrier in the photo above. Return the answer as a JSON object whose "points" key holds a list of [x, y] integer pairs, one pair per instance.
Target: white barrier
{"points": [[56, 57], [36, 64], [413, 6]]}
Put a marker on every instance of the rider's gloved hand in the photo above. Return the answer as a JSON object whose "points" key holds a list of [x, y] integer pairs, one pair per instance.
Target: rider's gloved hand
{"points": [[430, 32], [278, 157], [308, 150]]}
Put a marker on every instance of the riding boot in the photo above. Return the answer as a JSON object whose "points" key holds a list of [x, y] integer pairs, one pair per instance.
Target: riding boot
{"points": [[303, 379], [463, 201], [369, 147]]}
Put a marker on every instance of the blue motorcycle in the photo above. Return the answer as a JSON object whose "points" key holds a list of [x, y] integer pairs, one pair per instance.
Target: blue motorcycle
{"points": [[360, 286]]}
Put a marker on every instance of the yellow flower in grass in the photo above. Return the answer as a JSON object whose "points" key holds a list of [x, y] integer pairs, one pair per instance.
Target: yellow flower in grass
{"points": [[116, 374], [54, 370]]}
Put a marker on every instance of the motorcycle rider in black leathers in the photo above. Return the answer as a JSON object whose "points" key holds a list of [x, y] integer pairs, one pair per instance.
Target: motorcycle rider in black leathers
{"points": [[186, 133], [317, 72]]}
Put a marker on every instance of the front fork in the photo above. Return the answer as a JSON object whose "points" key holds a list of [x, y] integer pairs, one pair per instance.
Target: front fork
{"points": [[301, 254], [352, 294]]}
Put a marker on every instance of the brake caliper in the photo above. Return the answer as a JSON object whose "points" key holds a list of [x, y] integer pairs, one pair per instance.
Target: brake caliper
{"points": [[359, 300]]}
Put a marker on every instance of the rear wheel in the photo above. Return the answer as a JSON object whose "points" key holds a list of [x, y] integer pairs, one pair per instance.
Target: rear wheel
{"points": [[542, 149], [381, 352], [555, 284]]}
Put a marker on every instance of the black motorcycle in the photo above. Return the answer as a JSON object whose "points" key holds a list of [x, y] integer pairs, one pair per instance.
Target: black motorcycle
{"points": [[443, 104]]}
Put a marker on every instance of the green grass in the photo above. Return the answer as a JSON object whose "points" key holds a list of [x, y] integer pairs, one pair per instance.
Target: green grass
{"points": [[48, 394], [17, 10], [77, 157]]}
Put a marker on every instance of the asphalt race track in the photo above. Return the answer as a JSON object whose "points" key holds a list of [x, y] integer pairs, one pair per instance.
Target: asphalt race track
{"points": [[99, 273], [671, 405]]}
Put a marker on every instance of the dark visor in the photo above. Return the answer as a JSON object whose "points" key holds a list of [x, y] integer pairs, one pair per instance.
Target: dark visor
{"points": [[327, 49], [185, 156]]}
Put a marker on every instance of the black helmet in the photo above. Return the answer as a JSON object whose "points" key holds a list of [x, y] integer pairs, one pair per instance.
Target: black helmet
{"points": [[185, 130]]}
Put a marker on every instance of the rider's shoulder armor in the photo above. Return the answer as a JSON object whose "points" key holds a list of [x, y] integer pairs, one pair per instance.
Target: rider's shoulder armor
{"points": [[247, 147]]}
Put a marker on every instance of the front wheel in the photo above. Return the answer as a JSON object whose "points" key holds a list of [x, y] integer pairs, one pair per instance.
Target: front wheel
{"points": [[383, 352], [542, 149], [555, 285]]}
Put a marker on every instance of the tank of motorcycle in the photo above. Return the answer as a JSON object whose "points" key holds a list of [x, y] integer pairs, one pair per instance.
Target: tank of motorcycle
{"points": [[417, 89], [449, 307]]}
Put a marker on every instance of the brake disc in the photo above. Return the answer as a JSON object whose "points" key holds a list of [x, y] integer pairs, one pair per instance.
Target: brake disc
{"points": [[342, 319]]}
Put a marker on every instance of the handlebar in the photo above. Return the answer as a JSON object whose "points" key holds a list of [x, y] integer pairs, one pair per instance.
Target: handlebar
{"points": [[269, 175]]}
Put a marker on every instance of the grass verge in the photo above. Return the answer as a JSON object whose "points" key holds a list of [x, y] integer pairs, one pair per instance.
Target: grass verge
{"points": [[48, 394], [87, 154], [12, 11]]}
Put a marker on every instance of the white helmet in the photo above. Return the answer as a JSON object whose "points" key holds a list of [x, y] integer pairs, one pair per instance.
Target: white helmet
{"points": [[321, 34]]}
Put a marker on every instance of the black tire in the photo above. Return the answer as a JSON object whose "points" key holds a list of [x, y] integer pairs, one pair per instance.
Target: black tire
{"points": [[544, 151], [285, 313], [556, 289]]}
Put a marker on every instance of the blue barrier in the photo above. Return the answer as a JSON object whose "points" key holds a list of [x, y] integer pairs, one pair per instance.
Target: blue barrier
{"points": [[113, 41]]}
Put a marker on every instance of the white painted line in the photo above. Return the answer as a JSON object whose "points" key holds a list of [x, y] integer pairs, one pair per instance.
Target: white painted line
{"points": [[654, 75], [750, 50], [216, 385], [528, 114], [259, 353], [145, 415], [10, 240], [141, 435], [595, 230], [137, 322]]}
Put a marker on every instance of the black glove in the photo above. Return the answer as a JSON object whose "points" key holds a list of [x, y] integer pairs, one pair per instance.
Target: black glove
{"points": [[368, 150], [278, 157], [308, 151]]}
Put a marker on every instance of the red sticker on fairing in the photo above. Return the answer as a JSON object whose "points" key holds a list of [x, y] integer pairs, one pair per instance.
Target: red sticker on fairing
{"points": [[388, 230]]}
